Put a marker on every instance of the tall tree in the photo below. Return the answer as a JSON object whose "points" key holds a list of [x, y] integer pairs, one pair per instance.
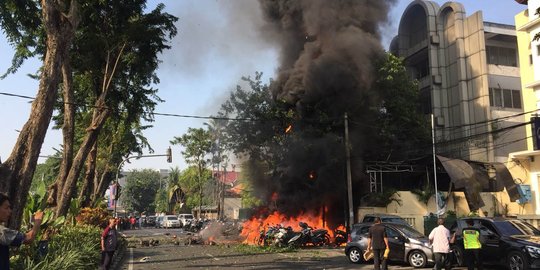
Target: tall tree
{"points": [[27, 24], [140, 190], [116, 57], [197, 145]]}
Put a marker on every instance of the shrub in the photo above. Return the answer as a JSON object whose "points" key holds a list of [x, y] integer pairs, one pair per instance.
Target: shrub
{"points": [[73, 247], [93, 216]]}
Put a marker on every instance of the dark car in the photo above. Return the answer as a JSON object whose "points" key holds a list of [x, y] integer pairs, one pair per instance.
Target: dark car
{"points": [[406, 244], [509, 242], [370, 218]]}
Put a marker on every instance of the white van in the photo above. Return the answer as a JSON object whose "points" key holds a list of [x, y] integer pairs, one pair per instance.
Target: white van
{"points": [[185, 218]]}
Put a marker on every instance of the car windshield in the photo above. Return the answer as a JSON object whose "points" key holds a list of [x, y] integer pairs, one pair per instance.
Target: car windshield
{"points": [[396, 220], [171, 218], [410, 232], [515, 227]]}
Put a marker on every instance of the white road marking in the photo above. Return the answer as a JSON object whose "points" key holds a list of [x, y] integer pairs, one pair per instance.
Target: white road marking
{"points": [[211, 256], [130, 267]]}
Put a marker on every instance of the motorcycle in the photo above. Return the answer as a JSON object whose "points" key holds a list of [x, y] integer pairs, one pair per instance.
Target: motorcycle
{"points": [[283, 236], [340, 237], [319, 237], [301, 238]]}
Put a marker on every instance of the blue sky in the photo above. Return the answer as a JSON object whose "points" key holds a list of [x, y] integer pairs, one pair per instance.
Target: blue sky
{"points": [[218, 42]]}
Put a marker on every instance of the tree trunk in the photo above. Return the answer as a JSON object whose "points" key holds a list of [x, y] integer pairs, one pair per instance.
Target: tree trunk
{"points": [[100, 188], [68, 130], [17, 171], [89, 177], [101, 114]]}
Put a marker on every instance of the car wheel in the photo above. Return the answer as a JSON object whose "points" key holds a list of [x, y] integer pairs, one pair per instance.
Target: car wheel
{"points": [[516, 261], [355, 255], [458, 256], [417, 259]]}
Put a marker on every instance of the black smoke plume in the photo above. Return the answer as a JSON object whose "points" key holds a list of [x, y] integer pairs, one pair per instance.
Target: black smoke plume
{"points": [[328, 50]]}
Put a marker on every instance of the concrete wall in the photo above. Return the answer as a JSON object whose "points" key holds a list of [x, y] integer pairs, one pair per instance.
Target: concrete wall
{"points": [[414, 211]]}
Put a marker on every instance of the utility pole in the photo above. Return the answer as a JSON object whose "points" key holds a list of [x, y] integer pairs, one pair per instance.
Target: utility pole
{"points": [[434, 162], [349, 177]]}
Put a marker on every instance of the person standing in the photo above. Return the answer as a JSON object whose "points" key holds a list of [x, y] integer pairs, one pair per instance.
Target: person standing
{"points": [[378, 242], [440, 241], [472, 246], [9, 237], [109, 240]]}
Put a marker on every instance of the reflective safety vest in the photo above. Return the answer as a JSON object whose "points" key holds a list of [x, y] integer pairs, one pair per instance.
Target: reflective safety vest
{"points": [[471, 239]]}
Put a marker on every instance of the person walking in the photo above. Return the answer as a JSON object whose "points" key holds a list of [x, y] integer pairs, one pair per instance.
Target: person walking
{"points": [[109, 240], [378, 242], [440, 241], [13, 238], [472, 246]]}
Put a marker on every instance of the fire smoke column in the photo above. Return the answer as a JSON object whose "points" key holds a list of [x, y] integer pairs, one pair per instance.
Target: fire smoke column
{"points": [[328, 50], [327, 47]]}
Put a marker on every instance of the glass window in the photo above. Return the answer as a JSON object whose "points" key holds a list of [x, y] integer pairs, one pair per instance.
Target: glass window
{"points": [[507, 98], [530, 59], [497, 98], [391, 233], [515, 227], [516, 99], [363, 230]]}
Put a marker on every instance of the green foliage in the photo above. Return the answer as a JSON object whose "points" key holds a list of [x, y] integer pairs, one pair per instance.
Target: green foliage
{"points": [[189, 181], [46, 172], [401, 128], [424, 194], [140, 190], [249, 198], [381, 199], [74, 247], [160, 202]]}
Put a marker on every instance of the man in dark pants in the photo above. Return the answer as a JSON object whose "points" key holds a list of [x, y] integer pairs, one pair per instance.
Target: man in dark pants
{"points": [[109, 240], [378, 241], [472, 246]]}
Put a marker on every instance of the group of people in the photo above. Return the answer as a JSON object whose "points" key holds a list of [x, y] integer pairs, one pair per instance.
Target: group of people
{"points": [[13, 238], [440, 240]]}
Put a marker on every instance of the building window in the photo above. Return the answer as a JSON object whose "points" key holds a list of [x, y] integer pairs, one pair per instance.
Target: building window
{"points": [[530, 59], [501, 56], [506, 98]]}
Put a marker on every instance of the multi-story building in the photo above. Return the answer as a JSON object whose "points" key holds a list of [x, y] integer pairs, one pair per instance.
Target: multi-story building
{"points": [[469, 79], [525, 165]]}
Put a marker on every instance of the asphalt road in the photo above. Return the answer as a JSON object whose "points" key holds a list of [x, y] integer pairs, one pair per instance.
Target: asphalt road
{"points": [[231, 255]]}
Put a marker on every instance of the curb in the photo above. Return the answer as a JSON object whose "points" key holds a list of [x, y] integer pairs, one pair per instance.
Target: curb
{"points": [[118, 257]]}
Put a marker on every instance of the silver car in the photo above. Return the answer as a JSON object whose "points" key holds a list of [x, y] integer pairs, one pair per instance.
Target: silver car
{"points": [[406, 244]]}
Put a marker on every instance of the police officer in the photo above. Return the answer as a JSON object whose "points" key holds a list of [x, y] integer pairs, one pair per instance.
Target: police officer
{"points": [[472, 246]]}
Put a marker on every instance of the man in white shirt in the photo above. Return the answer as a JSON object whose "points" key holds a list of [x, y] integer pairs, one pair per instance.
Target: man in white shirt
{"points": [[440, 240]]}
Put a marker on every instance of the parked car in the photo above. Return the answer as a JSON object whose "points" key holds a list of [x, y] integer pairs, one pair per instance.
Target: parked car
{"points": [[150, 221], [509, 242], [170, 221], [159, 222], [406, 244], [370, 218], [185, 219]]}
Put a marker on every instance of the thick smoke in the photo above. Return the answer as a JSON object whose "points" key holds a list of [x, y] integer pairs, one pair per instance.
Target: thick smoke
{"points": [[328, 50]]}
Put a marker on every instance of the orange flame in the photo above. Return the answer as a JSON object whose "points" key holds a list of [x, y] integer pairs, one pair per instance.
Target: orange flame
{"points": [[252, 228], [288, 129]]}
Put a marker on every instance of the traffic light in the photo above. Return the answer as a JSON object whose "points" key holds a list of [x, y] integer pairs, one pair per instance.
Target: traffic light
{"points": [[169, 155]]}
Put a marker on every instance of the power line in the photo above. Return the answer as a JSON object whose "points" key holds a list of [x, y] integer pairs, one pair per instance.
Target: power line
{"points": [[155, 113]]}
